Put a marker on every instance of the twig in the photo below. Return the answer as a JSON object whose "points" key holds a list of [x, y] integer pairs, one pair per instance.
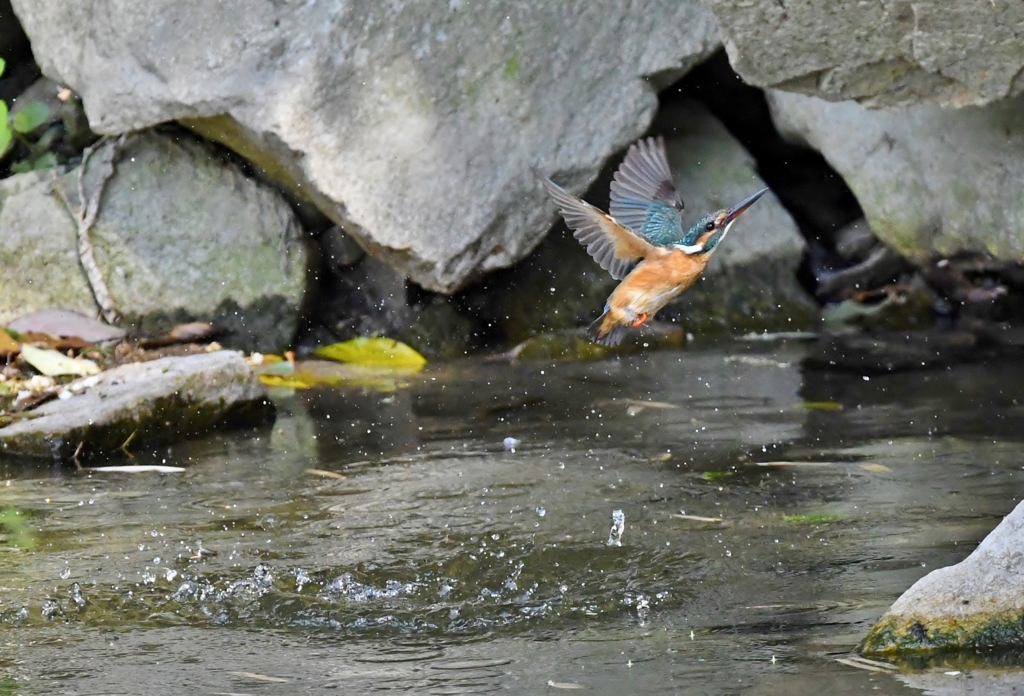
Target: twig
{"points": [[74, 457], [124, 447], [84, 216]]}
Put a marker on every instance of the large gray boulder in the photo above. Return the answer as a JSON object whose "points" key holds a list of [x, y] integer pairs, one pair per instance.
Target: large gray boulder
{"points": [[891, 52], [975, 604], [749, 285], [413, 126], [932, 182], [141, 405], [181, 235]]}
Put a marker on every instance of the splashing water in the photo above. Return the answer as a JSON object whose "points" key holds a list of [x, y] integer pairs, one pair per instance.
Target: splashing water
{"points": [[618, 527]]}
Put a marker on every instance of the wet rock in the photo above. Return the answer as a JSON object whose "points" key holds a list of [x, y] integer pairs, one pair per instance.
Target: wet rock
{"points": [[181, 236], [897, 307], [572, 345], [749, 285], [879, 267], [886, 53], [339, 250], [413, 127], [977, 603], [886, 352], [369, 298], [152, 402], [855, 241], [932, 182]]}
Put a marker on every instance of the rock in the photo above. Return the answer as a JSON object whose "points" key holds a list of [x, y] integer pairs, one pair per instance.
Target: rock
{"points": [[886, 352], [931, 182], [893, 52], [975, 604], [881, 266], [152, 402], [571, 345], [369, 298], [749, 285], [414, 127], [181, 236], [854, 242], [338, 250]]}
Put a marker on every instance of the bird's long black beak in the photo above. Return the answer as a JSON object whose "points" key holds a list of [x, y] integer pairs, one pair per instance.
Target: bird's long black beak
{"points": [[740, 207]]}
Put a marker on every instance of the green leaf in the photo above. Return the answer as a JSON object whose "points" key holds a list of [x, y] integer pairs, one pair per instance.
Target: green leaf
{"points": [[18, 528], [820, 518], [31, 116], [3, 64], [383, 352], [53, 363], [5, 129]]}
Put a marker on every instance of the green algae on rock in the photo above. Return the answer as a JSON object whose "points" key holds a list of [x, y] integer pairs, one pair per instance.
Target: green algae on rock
{"points": [[977, 603]]}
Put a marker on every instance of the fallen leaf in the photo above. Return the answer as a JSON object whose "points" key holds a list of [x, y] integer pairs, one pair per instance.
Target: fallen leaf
{"points": [[259, 677], [139, 468], [52, 363], [814, 518], [697, 518], [193, 331], [876, 468], [8, 346], [865, 664], [563, 685], [822, 406], [63, 322], [323, 473], [379, 352], [285, 382]]}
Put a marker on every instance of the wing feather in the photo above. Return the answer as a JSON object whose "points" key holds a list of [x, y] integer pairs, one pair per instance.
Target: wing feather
{"points": [[615, 248], [642, 180]]}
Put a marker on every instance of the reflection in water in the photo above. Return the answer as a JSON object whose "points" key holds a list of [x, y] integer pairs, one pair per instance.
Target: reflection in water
{"points": [[772, 516]]}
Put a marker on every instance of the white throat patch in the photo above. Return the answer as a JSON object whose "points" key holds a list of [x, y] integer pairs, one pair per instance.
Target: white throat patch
{"points": [[689, 248]]}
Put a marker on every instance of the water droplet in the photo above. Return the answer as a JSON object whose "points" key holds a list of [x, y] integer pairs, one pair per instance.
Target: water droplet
{"points": [[541, 511]]}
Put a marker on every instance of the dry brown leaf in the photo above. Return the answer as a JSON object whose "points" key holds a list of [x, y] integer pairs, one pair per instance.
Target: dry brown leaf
{"points": [[323, 473]]}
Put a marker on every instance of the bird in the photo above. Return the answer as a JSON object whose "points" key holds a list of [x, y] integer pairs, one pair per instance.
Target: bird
{"points": [[641, 240]]}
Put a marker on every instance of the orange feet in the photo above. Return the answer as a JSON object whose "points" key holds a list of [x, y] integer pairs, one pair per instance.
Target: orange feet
{"points": [[640, 319]]}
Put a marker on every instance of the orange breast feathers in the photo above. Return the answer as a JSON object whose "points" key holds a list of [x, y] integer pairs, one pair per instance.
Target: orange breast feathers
{"points": [[657, 281]]}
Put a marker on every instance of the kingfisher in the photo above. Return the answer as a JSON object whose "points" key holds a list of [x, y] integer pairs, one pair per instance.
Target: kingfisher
{"points": [[641, 240]]}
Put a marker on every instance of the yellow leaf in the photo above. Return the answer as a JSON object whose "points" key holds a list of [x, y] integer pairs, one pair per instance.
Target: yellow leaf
{"points": [[823, 406], [382, 352], [7, 344], [288, 382], [876, 468], [52, 363]]}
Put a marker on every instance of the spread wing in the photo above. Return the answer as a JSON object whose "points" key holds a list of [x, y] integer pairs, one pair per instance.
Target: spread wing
{"points": [[643, 196], [615, 248]]}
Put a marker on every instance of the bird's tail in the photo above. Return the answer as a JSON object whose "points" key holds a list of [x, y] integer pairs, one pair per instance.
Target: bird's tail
{"points": [[606, 331]]}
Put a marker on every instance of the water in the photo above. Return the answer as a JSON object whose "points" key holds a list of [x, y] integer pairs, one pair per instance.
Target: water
{"points": [[445, 561]]}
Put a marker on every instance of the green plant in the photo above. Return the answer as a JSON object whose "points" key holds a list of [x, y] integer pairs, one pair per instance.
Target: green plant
{"points": [[28, 118]]}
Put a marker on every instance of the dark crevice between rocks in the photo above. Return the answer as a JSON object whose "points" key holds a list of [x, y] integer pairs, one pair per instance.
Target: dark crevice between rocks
{"points": [[813, 193]]}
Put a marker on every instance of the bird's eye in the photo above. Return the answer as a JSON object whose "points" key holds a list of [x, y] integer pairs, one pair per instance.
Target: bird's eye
{"points": [[710, 226]]}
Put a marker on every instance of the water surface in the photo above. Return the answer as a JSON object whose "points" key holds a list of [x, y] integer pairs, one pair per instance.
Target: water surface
{"points": [[445, 563]]}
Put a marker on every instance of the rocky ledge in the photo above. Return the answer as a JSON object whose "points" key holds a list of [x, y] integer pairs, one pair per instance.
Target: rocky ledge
{"points": [[141, 405]]}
